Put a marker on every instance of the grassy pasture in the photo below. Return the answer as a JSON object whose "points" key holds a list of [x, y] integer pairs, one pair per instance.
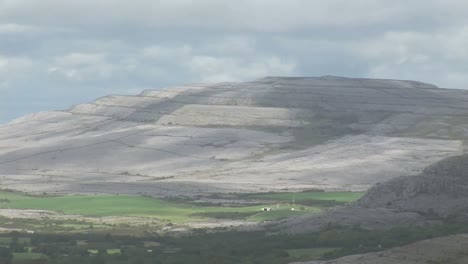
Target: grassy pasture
{"points": [[18, 257], [339, 197], [177, 212]]}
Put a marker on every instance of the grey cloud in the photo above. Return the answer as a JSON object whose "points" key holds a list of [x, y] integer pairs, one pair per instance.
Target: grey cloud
{"points": [[56, 53], [15, 29], [256, 15]]}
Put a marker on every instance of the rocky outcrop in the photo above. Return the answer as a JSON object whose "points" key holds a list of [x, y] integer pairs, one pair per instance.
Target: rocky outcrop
{"points": [[440, 190], [366, 218], [268, 134]]}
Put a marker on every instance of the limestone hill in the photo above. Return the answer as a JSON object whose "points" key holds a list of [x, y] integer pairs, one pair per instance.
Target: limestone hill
{"points": [[268, 134]]}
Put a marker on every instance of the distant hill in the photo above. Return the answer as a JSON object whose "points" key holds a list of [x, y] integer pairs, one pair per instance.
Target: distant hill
{"points": [[268, 134]]}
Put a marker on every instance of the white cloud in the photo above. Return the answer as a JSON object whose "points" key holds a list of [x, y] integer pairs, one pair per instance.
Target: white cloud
{"points": [[233, 44], [3, 63], [410, 45], [3, 85], [164, 52], [17, 29], [231, 58], [10, 66], [213, 69], [80, 59], [434, 56], [437, 56], [86, 67]]}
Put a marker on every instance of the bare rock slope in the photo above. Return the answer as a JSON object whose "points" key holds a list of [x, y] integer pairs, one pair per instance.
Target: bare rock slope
{"points": [[268, 134]]}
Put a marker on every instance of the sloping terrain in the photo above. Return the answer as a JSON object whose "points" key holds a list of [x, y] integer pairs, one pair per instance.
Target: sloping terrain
{"points": [[439, 193], [352, 216], [269, 134], [440, 190], [445, 250]]}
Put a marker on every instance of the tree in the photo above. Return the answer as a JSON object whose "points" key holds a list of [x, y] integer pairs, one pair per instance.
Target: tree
{"points": [[15, 246], [5, 255]]}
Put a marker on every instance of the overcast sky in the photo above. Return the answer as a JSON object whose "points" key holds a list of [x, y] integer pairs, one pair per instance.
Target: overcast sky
{"points": [[56, 53]]}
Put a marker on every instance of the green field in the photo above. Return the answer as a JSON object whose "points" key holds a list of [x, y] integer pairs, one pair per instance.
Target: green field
{"points": [[7, 240], [280, 214], [115, 205], [176, 212], [340, 197], [28, 256]]}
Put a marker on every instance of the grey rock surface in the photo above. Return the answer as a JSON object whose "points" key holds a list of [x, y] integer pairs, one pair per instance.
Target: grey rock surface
{"points": [[265, 135], [366, 218], [440, 190]]}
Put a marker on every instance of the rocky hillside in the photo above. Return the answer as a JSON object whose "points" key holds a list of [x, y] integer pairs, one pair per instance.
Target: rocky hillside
{"points": [[441, 189], [268, 134], [349, 216], [445, 250]]}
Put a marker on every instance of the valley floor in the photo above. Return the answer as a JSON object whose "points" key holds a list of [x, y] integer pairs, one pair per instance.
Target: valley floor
{"points": [[78, 212]]}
